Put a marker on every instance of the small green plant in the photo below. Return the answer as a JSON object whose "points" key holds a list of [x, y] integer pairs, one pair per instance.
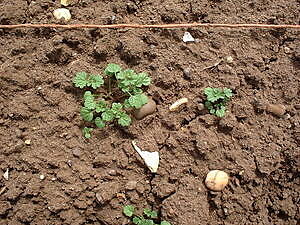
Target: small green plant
{"points": [[147, 219], [216, 100], [121, 91]]}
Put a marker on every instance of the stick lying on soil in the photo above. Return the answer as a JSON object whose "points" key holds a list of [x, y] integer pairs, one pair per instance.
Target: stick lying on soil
{"points": [[140, 26]]}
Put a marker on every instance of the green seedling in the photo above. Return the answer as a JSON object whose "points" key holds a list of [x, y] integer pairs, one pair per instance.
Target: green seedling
{"points": [[146, 219], [216, 100], [119, 92]]}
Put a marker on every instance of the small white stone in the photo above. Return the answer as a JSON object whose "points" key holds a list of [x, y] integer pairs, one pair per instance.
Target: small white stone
{"points": [[65, 2], [42, 177], [5, 175], [228, 59], [53, 179], [27, 142], [39, 88], [287, 50], [187, 37], [62, 13]]}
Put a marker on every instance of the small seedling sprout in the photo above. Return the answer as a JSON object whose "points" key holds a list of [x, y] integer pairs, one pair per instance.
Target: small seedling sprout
{"points": [[216, 99], [99, 107], [146, 219]]}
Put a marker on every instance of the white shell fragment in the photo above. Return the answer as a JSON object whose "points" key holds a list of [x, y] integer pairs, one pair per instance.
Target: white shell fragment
{"points": [[178, 103], [150, 158], [62, 13], [187, 37], [65, 2], [5, 175]]}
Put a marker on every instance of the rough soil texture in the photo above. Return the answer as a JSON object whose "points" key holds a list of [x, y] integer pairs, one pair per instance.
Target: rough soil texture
{"points": [[89, 181]]}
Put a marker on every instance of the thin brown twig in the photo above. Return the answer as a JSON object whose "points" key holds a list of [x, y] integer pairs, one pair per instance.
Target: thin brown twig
{"points": [[143, 26]]}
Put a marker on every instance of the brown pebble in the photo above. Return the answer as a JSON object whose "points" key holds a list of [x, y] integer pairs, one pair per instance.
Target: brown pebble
{"points": [[145, 110], [76, 152], [131, 185], [276, 109]]}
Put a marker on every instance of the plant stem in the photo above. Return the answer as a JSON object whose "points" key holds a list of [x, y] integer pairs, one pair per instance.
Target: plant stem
{"points": [[109, 86]]}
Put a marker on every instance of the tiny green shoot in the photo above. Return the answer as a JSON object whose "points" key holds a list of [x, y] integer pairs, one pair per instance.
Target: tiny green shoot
{"points": [[102, 104], [216, 99], [149, 218]]}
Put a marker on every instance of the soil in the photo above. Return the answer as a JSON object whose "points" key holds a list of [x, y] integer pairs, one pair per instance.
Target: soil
{"points": [[88, 181]]}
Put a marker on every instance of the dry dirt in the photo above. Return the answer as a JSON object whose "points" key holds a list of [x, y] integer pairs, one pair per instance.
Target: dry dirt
{"points": [[89, 181]]}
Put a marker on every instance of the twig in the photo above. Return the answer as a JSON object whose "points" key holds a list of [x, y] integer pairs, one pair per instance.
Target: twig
{"points": [[2, 190], [141, 26]]}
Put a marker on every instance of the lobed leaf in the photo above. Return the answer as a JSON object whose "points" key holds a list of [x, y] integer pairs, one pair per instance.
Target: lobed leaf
{"points": [[142, 79], [108, 115], [137, 101], [150, 213], [112, 69], [87, 132], [81, 79], [89, 102], [95, 81], [86, 114], [99, 122], [124, 120], [101, 106], [128, 210]]}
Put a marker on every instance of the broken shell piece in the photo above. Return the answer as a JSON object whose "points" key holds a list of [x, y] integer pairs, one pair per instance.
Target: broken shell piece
{"points": [[178, 103], [65, 2], [187, 37], [5, 175], [150, 158], [62, 13]]}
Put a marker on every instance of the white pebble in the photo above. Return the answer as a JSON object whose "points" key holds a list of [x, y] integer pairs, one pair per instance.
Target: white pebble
{"points": [[187, 37], [27, 142], [5, 175], [62, 13], [42, 177], [178, 103]]}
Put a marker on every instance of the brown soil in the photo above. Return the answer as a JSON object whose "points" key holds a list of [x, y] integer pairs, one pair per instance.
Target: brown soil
{"points": [[88, 181]]}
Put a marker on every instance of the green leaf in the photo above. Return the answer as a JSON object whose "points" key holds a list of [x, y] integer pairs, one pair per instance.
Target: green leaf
{"points": [[220, 112], [101, 106], [80, 80], [136, 220], [108, 115], [227, 92], [116, 107], [86, 114], [95, 81], [125, 74], [89, 102], [99, 122], [165, 223], [138, 100], [112, 69], [87, 132], [142, 79], [87, 94], [126, 104], [147, 222], [124, 120], [150, 213], [128, 210]]}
